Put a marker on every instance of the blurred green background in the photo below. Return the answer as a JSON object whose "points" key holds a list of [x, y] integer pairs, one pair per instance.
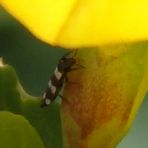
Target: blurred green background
{"points": [[35, 61]]}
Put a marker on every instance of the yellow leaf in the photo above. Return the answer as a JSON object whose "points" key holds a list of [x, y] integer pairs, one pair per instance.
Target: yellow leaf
{"points": [[82, 23], [100, 108]]}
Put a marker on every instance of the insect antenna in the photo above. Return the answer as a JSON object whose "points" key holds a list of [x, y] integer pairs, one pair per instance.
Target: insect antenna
{"points": [[67, 54], [70, 52], [75, 52]]}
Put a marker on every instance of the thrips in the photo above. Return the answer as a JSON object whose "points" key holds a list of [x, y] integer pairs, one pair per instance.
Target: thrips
{"points": [[66, 64]]}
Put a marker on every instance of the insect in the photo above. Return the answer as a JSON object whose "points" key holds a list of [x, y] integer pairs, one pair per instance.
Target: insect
{"points": [[55, 84]]}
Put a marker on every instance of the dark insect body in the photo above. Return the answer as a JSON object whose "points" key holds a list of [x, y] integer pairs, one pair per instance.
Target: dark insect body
{"points": [[55, 84]]}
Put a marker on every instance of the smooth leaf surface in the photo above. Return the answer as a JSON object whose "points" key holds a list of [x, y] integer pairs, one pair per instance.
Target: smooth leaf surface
{"points": [[16, 132], [46, 121], [101, 108], [13, 98], [9, 94]]}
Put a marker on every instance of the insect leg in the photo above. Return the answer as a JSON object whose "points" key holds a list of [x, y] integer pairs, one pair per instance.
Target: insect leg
{"points": [[75, 68], [61, 96], [43, 104], [71, 82], [80, 66]]}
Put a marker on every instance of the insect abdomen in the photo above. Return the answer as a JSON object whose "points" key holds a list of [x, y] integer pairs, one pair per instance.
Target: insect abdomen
{"points": [[53, 86]]}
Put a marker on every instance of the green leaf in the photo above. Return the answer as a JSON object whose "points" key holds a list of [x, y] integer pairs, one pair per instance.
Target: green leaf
{"points": [[16, 132], [46, 121], [9, 94]]}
